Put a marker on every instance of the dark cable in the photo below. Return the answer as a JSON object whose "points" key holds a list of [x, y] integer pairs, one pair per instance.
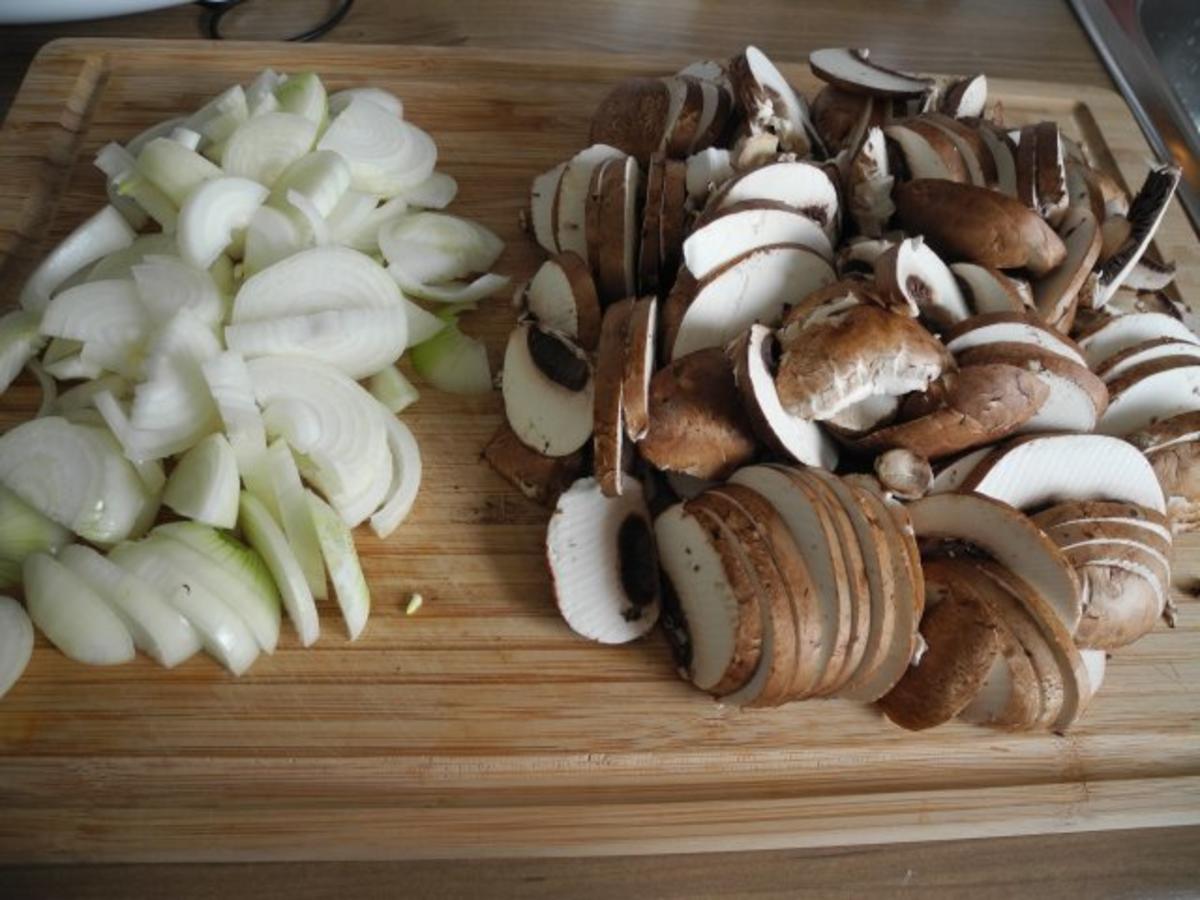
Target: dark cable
{"points": [[217, 9]]}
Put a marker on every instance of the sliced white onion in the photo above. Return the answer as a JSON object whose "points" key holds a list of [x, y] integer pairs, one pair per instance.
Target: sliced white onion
{"points": [[120, 263], [73, 366], [186, 137], [453, 362], [166, 284], [226, 568], [356, 341], [83, 396], [322, 176], [406, 476], [304, 95], [432, 247], [393, 390], [384, 99], [24, 530], [175, 169], [263, 147], [333, 425], [157, 628], [16, 642], [268, 540], [316, 223], [20, 340], [386, 154], [291, 512], [113, 160], [315, 280], [48, 386], [158, 129], [229, 382], [341, 559], [149, 198], [204, 484], [435, 192], [223, 633], [107, 316], [451, 291], [218, 118], [271, 236], [74, 475], [212, 213], [72, 615], [102, 234], [349, 215], [422, 324], [262, 87], [365, 235]]}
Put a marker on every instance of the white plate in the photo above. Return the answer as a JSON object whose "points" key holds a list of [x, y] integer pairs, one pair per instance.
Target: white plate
{"points": [[29, 12]]}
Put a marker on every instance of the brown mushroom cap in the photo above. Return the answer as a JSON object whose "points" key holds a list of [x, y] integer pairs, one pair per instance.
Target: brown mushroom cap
{"points": [[838, 114], [1178, 469], [1122, 607], [540, 478], [863, 351], [608, 420], [632, 117], [982, 404], [906, 474], [964, 221], [698, 425]]}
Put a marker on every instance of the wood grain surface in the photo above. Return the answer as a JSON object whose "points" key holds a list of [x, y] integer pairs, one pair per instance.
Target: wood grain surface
{"points": [[481, 726]]}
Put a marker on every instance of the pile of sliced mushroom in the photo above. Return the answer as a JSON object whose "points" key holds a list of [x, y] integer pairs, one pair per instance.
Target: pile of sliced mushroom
{"points": [[876, 397]]}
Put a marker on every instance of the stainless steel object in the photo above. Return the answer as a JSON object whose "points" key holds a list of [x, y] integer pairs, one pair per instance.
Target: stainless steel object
{"points": [[1152, 50]]}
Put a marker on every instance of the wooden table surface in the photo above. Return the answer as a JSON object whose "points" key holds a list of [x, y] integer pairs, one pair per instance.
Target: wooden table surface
{"points": [[1032, 39]]}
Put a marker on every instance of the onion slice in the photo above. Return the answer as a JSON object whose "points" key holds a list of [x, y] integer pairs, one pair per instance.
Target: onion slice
{"points": [[266, 538], [395, 392], [73, 616], [20, 339], [386, 154], [204, 484], [453, 362], [24, 530], [293, 515], [212, 213], [406, 476], [356, 341], [102, 234], [312, 281], [454, 291], [16, 642], [341, 559]]}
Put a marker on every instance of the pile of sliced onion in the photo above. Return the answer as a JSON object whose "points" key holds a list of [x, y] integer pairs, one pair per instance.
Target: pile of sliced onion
{"points": [[256, 260]]}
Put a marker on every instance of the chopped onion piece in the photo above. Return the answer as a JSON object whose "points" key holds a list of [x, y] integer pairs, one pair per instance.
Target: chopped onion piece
{"points": [[204, 484], [157, 628], [83, 395], [223, 633], [356, 341], [392, 389], [341, 559], [74, 475], [422, 324], [24, 530], [72, 615], [149, 197], [229, 382], [317, 225], [453, 291], [71, 367], [108, 316], [175, 169], [315, 280], [218, 118], [120, 264], [288, 498], [385, 99], [102, 234], [166, 285], [157, 130], [16, 642], [386, 154], [304, 95], [435, 192], [453, 362], [322, 176], [186, 137], [406, 476], [212, 213], [114, 160], [262, 87], [48, 386], [350, 213], [20, 340], [266, 538], [263, 147], [433, 247], [271, 236]]}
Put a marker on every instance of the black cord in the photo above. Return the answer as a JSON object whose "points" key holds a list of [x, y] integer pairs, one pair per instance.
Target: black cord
{"points": [[217, 10]]}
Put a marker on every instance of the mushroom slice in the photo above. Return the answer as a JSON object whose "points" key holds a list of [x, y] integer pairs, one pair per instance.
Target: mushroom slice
{"points": [[1170, 432], [680, 297], [562, 297], [677, 96], [962, 640], [906, 474], [988, 290], [1003, 158], [698, 424], [639, 366], [801, 186], [543, 207], [769, 103], [755, 287], [817, 539], [547, 387], [967, 222], [1150, 392], [1119, 333], [852, 71], [965, 98], [1145, 214], [608, 428], [754, 355], [749, 226], [836, 361], [603, 562], [1007, 536], [1123, 606], [1129, 556], [1178, 469], [705, 170], [753, 527], [975, 155], [1014, 328], [1026, 157], [540, 478], [613, 253], [1155, 548], [840, 117], [570, 205], [714, 116], [1075, 398], [870, 185], [1052, 197], [721, 618], [1149, 275], [864, 416], [857, 256], [912, 274], [672, 220], [632, 117], [1074, 511], [949, 476], [1037, 470], [928, 151], [686, 127], [981, 404], [1061, 672], [649, 273], [1057, 294]]}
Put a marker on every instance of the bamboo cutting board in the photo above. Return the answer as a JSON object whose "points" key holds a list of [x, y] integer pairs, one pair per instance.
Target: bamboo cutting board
{"points": [[481, 725]]}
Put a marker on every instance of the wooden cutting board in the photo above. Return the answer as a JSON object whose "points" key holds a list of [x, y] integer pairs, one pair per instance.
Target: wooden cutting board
{"points": [[481, 725]]}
